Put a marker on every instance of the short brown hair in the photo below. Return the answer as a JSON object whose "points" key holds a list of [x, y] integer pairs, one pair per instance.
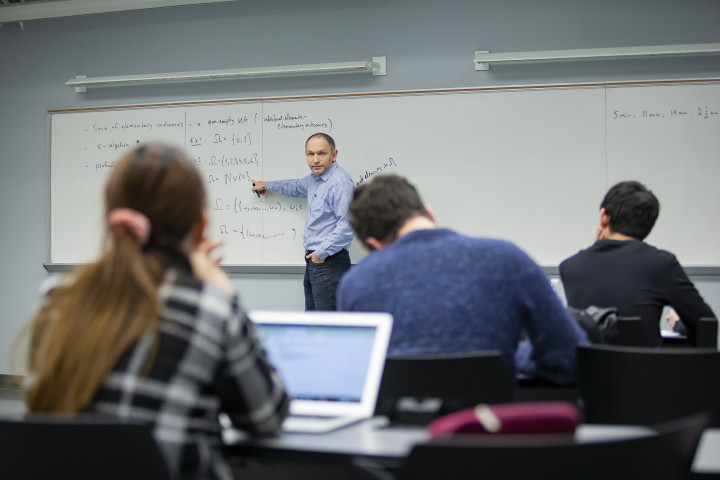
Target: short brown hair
{"points": [[327, 138], [381, 207]]}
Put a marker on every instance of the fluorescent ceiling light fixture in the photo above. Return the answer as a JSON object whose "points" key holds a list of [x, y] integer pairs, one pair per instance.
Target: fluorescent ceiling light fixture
{"points": [[376, 66], [19, 12], [483, 59]]}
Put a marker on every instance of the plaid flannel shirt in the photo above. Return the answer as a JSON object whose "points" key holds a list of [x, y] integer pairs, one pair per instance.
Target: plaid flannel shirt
{"points": [[208, 360]]}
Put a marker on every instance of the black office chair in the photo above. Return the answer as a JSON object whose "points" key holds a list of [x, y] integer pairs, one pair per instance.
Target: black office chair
{"points": [[419, 388], [707, 333], [634, 332], [532, 389], [642, 386], [666, 455], [87, 448]]}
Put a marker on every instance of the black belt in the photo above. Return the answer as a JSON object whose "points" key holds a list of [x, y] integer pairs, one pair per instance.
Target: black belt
{"points": [[308, 252]]}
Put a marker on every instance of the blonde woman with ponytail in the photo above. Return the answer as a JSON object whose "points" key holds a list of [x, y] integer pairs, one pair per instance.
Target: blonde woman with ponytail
{"points": [[153, 330]]}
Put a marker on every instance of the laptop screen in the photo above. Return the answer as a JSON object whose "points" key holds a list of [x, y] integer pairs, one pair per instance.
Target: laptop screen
{"points": [[330, 362], [320, 362]]}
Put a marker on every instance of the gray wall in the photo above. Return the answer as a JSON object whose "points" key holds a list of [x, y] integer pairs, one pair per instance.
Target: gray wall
{"points": [[428, 44]]}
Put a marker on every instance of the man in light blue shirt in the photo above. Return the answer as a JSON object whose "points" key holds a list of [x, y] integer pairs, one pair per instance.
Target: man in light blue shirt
{"points": [[327, 237]]}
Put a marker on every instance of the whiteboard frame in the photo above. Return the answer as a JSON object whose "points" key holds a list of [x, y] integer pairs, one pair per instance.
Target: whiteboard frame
{"points": [[702, 270], [539, 86]]}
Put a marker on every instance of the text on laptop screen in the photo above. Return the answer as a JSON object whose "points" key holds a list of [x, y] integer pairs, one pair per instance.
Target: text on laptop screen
{"points": [[320, 362]]}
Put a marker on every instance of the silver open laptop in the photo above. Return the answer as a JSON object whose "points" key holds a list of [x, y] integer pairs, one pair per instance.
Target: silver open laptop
{"points": [[331, 364]]}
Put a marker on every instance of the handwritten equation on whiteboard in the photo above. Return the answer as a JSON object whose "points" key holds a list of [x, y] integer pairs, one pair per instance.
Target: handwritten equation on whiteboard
{"points": [[224, 142], [700, 112]]}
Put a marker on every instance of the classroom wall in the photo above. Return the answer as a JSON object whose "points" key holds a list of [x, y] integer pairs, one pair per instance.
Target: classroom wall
{"points": [[428, 44]]}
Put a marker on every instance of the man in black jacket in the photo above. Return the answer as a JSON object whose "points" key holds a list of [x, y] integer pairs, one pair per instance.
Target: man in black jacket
{"points": [[620, 270]]}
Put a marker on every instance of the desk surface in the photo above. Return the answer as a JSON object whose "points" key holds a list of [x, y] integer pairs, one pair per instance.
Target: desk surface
{"points": [[371, 438], [389, 445]]}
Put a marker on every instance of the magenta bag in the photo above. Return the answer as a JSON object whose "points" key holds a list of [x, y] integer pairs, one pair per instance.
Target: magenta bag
{"points": [[509, 419]]}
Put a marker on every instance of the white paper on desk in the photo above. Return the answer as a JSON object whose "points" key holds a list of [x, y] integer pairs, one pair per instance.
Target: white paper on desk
{"points": [[669, 334]]}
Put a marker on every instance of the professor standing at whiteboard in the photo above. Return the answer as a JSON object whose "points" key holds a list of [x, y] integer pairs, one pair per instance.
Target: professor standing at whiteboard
{"points": [[327, 237]]}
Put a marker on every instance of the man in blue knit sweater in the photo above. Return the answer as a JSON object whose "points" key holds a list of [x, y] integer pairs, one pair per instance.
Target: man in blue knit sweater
{"points": [[450, 293]]}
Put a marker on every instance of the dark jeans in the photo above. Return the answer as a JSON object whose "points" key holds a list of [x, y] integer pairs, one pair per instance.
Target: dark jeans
{"points": [[321, 280]]}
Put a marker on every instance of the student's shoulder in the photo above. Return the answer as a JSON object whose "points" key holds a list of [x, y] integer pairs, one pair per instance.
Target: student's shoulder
{"points": [[184, 294], [371, 264], [491, 251], [658, 255], [378, 267], [356, 282], [600, 249], [573, 259], [631, 250]]}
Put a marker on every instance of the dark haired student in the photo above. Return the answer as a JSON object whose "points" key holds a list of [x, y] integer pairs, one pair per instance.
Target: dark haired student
{"points": [[152, 331], [328, 234], [449, 293], [621, 270]]}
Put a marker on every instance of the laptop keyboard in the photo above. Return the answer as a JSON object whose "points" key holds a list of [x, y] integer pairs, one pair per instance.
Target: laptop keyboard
{"points": [[313, 417]]}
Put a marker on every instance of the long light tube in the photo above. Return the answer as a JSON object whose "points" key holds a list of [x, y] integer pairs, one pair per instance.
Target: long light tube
{"points": [[483, 59], [376, 66]]}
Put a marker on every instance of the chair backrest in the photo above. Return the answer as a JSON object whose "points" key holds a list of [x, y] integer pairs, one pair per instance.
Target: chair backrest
{"points": [[666, 455], [534, 389], [707, 333], [634, 332], [87, 448], [454, 381], [643, 386]]}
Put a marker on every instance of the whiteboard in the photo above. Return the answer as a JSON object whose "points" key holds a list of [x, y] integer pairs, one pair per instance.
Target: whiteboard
{"points": [[529, 164]]}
